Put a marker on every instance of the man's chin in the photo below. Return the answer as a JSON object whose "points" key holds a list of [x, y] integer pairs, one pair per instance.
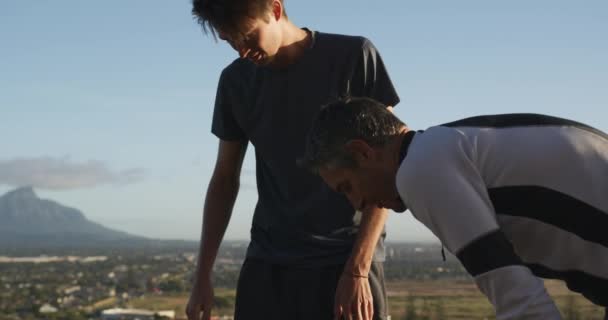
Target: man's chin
{"points": [[263, 62], [399, 207]]}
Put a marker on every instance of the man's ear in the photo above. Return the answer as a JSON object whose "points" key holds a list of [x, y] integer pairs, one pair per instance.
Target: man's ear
{"points": [[277, 10], [361, 151]]}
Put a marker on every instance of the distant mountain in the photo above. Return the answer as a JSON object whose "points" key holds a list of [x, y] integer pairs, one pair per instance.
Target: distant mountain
{"points": [[28, 221]]}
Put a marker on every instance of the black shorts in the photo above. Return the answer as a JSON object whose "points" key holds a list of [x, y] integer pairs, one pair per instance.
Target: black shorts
{"points": [[270, 291]]}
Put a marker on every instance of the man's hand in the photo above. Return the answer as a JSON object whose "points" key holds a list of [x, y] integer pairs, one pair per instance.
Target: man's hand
{"points": [[354, 300], [201, 300]]}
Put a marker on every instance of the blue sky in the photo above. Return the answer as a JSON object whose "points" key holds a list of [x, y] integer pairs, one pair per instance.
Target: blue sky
{"points": [[115, 97]]}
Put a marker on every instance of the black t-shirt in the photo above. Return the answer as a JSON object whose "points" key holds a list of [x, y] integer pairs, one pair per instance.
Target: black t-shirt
{"points": [[298, 219]]}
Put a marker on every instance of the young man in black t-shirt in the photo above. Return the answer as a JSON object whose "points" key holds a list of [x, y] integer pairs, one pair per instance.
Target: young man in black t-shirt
{"points": [[311, 256]]}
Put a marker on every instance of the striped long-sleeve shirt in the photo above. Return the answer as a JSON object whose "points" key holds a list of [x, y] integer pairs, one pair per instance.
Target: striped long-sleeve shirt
{"points": [[515, 197]]}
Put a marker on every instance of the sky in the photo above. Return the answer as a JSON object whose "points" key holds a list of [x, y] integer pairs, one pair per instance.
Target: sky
{"points": [[106, 106]]}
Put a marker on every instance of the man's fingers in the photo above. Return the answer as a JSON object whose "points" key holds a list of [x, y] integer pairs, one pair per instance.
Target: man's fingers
{"points": [[205, 311], [370, 310], [367, 310], [197, 313], [190, 312], [337, 312], [206, 315], [355, 311], [362, 314]]}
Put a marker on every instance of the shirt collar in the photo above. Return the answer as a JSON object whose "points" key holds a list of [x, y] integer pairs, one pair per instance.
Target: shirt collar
{"points": [[405, 144]]}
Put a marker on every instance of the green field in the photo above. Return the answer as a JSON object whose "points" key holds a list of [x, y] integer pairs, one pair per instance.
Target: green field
{"points": [[414, 300], [224, 303], [450, 299]]}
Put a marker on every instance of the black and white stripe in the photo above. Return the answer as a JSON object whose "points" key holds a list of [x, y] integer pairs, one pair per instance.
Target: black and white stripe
{"points": [[515, 191], [554, 208]]}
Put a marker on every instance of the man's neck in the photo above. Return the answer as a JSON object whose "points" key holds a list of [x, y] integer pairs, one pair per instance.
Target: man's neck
{"points": [[295, 42], [396, 145]]}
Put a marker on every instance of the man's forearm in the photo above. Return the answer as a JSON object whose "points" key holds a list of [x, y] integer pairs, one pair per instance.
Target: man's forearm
{"points": [[370, 230], [219, 202]]}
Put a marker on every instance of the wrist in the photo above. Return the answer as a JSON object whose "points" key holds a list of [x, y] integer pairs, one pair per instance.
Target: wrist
{"points": [[359, 270], [355, 275]]}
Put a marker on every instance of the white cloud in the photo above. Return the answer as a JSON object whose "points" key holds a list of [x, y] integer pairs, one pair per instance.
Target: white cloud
{"points": [[62, 174]]}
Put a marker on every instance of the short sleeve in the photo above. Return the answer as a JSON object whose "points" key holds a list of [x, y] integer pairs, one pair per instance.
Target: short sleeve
{"points": [[370, 77], [225, 125]]}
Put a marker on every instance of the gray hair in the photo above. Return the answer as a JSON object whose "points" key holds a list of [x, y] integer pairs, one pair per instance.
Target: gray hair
{"points": [[344, 120]]}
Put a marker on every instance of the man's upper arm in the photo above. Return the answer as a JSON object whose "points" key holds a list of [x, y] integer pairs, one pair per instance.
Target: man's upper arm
{"points": [[225, 124], [445, 191], [230, 157]]}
